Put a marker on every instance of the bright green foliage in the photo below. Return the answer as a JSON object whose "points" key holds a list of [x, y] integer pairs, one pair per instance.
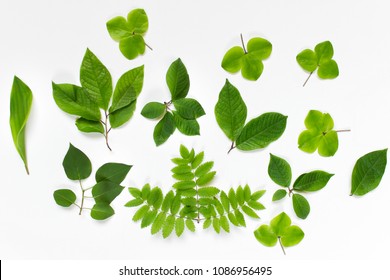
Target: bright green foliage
{"points": [[321, 59], [91, 102], [280, 229], [319, 134], [193, 199], [129, 32], [248, 59], [109, 176], [279, 171], [368, 172], [20, 106], [186, 110], [231, 112]]}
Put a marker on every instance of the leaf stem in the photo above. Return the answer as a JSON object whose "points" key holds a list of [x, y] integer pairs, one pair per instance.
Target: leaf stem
{"points": [[107, 130], [243, 45], [311, 73], [148, 46], [343, 130], [27, 170], [281, 245], [231, 147], [82, 198]]}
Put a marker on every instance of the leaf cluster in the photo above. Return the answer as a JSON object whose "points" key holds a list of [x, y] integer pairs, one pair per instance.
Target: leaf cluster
{"points": [[193, 200], [129, 32], [231, 112], [279, 171], [96, 94], [279, 229], [109, 177], [185, 113]]}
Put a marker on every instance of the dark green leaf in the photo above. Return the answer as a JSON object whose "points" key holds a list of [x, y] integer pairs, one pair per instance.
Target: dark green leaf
{"points": [[153, 110], [76, 164], [102, 211], [106, 191], [178, 80], [188, 108], [64, 197], [312, 181], [187, 127], [123, 115], [114, 172], [164, 129], [279, 194], [88, 126], [301, 206], [279, 171]]}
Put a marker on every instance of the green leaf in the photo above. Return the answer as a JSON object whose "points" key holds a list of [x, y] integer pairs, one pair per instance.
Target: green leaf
{"points": [[368, 171], [88, 126], [138, 21], [225, 201], [167, 202], [102, 211], [256, 205], [178, 80], [307, 59], [223, 221], [149, 218], [164, 129], [184, 185], [240, 195], [250, 212], [128, 88], [96, 80], [257, 195], [240, 217], [231, 61], [156, 198], [190, 225], [106, 191], [280, 223], [153, 110], [133, 46], [292, 236], [75, 100], [181, 169], [123, 115], [141, 212], [216, 225], [118, 28], [184, 177], [328, 70], [279, 171], [64, 197], [247, 193], [205, 179], [265, 235], [176, 203], [184, 152], [259, 47], [134, 202], [261, 131], [252, 67], [312, 181], [169, 225], [114, 172], [233, 198], [76, 164], [204, 169], [198, 159], [279, 194], [324, 52], [301, 206], [188, 108], [179, 226], [230, 111], [158, 223], [186, 127], [208, 191], [20, 107], [136, 193], [233, 219], [207, 223]]}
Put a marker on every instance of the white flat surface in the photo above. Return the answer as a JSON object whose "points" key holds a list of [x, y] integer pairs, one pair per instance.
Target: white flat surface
{"points": [[45, 40]]}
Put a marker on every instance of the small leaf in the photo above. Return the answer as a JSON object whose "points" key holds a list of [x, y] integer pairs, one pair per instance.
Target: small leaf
{"points": [[169, 225], [256, 205], [164, 129], [176, 203], [257, 195], [240, 217], [204, 169], [134, 202], [155, 198], [184, 177], [179, 226], [167, 202], [247, 193], [145, 192], [158, 223], [216, 225], [138, 21], [178, 80], [188, 108], [307, 59], [184, 152], [223, 221], [184, 185], [279, 171], [312, 181], [231, 61], [149, 218], [153, 110], [240, 195], [265, 235], [292, 236], [328, 70], [190, 225], [101, 211], [198, 159], [233, 198], [301, 206], [251, 67], [186, 127], [250, 212], [181, 169], [118, 28], [208, 192], [368, 172], [88, 126], [76, 164], [106, 191], [225, 201], [141, 212], [207, 223], [279, 194], [233, 219], [324, 52], [123, 115], [205, 179], [136, 193], [114, 172], [64, 197], [20, 107]]}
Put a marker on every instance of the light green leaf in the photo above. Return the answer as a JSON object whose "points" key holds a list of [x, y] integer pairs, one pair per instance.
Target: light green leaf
{"points": [[176, 203], [123, 115], [153, 110], [207, 223], [169, 225], [179, 226], [141, 212], [279, 171], [101, 211], [158, 223], [247, 193], [145, 192], [279, 194], [184, 177], [307, 59], [96, 80], [64, 197], [112, 171], [149, 218], [156, 198], [190, 225], [312, 181], [328, 70], [261, 131], [292, 236], [138, 21], [208, 191], [204, 169], [184, 185], [225, 201], [231, 61], [136, 193], [181, 169], [256, 205], [88, 126], [280, 223], [368, 172], [164, 129], [230, 111], [20, 107], [216, 225], [184, 152], [265, 235], [240, 217], [167, 202], [178, 80], [118, 28], [198, 159], [251, 67], [240, 195], [133, 46], [324, 52], [233, 198], [259, 47], [106, 191], [250, 212], [76, 164], [186, 127], [188, 108], [257, 195], [205, 179], [233, 219], [223, 221], [301, 206], [134, 202]]}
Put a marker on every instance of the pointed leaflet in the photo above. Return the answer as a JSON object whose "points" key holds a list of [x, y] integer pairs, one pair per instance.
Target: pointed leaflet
{"points": [[186, 127], [106, 191], [261, 131], [188, 108], [279, 194], [114, 172], [178, 80], [230, 111], [312, 181], [101, 211], [153, 110], [20, 106], [128, 88], [64, 197], [301, 206], [76, 164], [279, 171], [88, 126], [164, 129], [121, 116], [96, 79], [368, 172]]}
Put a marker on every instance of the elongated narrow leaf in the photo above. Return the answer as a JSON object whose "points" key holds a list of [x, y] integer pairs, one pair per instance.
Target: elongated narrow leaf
{"points": [[141, 212], [134, 202], [230, 111], [261, 131], [250, 212], [76, 164], [178, 80], [164, 129], [183, 185], [279, 171], [225, 201], [257, 195], [149, 218], [169, 225], [256, 205], [158, 223], [102, 211], [204, 168], [20, 106], [112, 171], [123, 115], [224, 222], [190, 225], [64, 197], [216, 225], [208, 191], [179, 226], [368, 172], [312, 181], [106, 191], [205, 179], [167, 202], [89, 126]]}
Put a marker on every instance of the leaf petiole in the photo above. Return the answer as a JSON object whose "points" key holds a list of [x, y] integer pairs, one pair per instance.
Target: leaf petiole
{"points": [[311, 73], [231, 147], [243, 44], [343, 130], [281, 245]]}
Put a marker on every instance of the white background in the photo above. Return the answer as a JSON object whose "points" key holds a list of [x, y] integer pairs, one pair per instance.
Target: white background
{"points": [[45, 40]]}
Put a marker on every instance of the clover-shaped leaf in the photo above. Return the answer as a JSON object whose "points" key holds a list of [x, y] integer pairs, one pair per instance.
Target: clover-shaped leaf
{"points": [[129, 32], [280, 229], [248, 59], [319, 134], [321, 59]]}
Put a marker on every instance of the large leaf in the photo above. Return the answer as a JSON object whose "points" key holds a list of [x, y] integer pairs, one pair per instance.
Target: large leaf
{"points": [[96, 79], [368, 172], [312, 181], [20, 106], [114, 172], [261, 131], [279, 171], [76, 164], [230, 111], [178, 80], [64, 197], [164, 129]]}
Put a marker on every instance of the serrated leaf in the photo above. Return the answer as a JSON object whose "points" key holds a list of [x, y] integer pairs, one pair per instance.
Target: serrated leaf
{"points": [[225, 201], [102, 211], [184, 152], [198, 159], [179, 226], [145, 191], [301, 206], [187, 193], [168, 226], [224, 223], [167, 202], [279, 171], [20, 107], [158, 223], [112, 171], [134, 202], [136, 193], [155, 198], [255, 205], [64, 197], [208, 191], [153, 110], [141, 212], [76, 164], [190, 225], [149, 218], [188, 108], [233, 219], [176, 203], [88, 126], [184, 185], [106, 191], [186, 127], [240, 195], [368, 172], [312, 181], [233, 198], [216, 225], [207, 223], [250, 212], [230, 111], [164, 129], [261, 131], [204, 169], [178, 80], [240, 217], [247, 193], [219, 207], [184, 177], [181, 169], [279, 194], [257, 195], [189, 201], [205, 179]]}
